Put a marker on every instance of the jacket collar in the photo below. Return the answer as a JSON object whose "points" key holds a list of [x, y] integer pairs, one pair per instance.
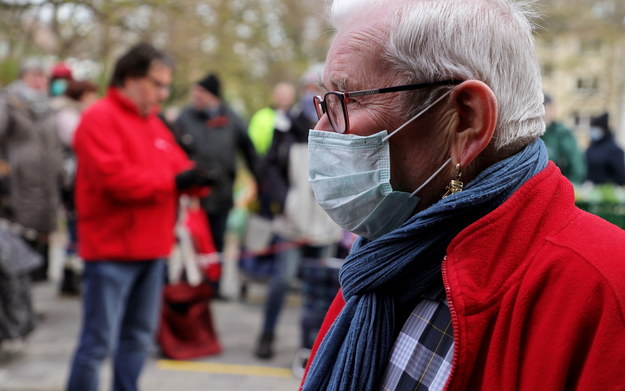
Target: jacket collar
{"points": [[482, 257], [114, 94]]}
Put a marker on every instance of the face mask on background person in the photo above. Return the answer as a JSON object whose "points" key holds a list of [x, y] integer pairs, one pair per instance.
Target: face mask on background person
{"points": [[596, 133], [58, 87], [350, 177]]}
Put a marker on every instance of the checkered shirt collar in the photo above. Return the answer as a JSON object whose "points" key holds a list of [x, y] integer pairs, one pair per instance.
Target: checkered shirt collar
{"points": [[422, 355]]}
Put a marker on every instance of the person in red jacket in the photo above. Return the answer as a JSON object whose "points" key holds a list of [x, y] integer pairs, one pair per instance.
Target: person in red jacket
{"points": [[474, 269], [130, 172]]}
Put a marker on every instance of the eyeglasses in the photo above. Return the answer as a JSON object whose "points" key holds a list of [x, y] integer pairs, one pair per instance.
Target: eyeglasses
{"points": [[157, 83], [334, 103]]}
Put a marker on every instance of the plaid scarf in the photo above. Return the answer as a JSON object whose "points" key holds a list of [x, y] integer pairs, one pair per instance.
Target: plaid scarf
{"points": [[397, 268]]}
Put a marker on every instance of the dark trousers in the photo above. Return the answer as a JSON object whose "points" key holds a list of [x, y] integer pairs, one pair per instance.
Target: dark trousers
{"points": [[218, 224], [41, 248]]}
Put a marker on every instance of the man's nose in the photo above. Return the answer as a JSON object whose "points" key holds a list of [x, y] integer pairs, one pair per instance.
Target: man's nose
{"points": [[163, 95], [324, 124]]}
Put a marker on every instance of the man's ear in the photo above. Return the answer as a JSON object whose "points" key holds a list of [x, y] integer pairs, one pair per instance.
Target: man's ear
{"points": [[476, 110]]}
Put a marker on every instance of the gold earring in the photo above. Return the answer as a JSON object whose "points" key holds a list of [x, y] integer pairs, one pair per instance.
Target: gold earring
{"points": [[455, 185]]}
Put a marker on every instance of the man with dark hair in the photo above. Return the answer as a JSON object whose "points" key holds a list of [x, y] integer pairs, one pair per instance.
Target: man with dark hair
{"points": [[137, 63], [213, 133], [130, 172]]}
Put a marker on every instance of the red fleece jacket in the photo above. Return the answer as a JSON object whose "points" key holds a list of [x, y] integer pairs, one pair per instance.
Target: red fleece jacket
{"points": [[537, 295], [126, 195]]}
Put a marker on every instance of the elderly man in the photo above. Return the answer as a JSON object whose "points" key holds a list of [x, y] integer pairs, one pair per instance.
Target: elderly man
{"points": [[474, 270], [130, 172]]}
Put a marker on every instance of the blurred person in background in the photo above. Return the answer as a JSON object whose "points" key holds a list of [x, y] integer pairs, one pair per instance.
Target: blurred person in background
{"points": [[69, 107], [474, 270], [257, 256], [60, 77], [79, 95], [30, 144], [265, 120], [213, 134], [130, 173], [605, 159], [562, 147], [301, 227]]}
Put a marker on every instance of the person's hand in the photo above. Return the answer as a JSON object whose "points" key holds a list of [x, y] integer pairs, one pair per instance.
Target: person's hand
{"points": [[194, 177]]}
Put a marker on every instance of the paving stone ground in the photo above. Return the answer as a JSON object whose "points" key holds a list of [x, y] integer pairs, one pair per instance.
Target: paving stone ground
{"points": [[41, 362]]}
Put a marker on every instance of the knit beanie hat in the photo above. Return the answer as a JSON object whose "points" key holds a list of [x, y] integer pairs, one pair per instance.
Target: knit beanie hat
{"points": [[211, 84], [600, 121], [61, 71]]}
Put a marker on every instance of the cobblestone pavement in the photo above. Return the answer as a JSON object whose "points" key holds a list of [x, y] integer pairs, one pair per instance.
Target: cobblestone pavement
{"points": [[41, 362]]}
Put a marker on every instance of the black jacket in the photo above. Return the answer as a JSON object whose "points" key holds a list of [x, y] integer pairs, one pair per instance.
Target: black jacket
{"points": [[274, 167], [213, 141], [606, 162]]}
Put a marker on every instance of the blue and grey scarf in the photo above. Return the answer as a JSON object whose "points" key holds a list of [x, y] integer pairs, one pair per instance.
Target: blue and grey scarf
{"points": [[400, 266]]}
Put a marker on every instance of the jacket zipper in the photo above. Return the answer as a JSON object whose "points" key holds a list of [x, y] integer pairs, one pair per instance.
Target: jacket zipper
{"points": [[454, 325]]}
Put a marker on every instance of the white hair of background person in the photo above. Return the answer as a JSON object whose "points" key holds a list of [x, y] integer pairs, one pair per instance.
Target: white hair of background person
{"points": [[486, 40]]}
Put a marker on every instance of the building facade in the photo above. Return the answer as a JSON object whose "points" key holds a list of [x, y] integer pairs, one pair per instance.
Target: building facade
{"points": [[583, 63]]}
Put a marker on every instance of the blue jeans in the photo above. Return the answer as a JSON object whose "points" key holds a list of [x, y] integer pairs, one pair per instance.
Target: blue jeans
{"points": [[286, 267], [121, 306]]}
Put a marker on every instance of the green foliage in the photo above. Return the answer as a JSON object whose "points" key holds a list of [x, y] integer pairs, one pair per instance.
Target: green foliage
{"points": [[9, 71], [251, 44], [606, 201]]}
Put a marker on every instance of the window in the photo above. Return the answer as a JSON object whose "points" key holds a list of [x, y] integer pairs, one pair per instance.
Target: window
{"points": [[588, 84], [590, 46]]}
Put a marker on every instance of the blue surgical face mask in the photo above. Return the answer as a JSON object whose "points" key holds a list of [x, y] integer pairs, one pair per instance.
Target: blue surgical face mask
{"points": [[58, 87], [596, 133], [350, 177]]}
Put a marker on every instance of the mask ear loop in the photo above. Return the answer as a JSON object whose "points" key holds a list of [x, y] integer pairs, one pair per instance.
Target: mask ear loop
{"points": [[417, 115], [431, 178], [409, 121]]}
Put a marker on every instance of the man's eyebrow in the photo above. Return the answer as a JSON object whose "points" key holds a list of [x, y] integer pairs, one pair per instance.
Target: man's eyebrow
{"points": [[336, 85], [321, 86]]}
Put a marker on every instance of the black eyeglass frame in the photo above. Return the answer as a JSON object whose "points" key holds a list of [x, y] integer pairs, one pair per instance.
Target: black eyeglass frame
{"points": [[321, 108], [157, 83]]}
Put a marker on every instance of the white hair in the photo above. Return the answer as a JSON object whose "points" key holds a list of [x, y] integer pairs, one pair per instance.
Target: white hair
{"points": [[32, 64], [486, 40]]}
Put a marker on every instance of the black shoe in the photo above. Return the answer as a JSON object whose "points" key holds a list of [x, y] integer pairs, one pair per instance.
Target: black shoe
{"points": [[264, 349]]}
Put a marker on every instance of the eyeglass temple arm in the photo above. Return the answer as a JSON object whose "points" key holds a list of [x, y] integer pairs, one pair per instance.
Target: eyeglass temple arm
{"points": [[406, 87]]}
